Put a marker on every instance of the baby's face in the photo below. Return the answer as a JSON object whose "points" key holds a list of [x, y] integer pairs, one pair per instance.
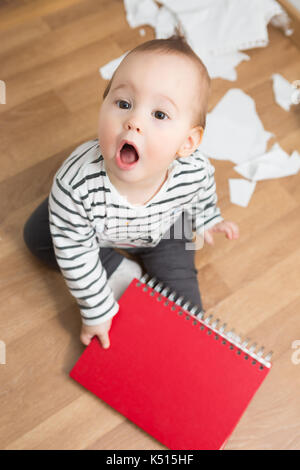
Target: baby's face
{"points": [[151, 103]]}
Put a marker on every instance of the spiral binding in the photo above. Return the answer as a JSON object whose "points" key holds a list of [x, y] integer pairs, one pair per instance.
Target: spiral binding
{"points": [[199, 315]]}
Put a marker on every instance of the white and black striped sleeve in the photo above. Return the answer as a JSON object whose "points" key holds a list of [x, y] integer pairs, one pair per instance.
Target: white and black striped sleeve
{"points": [[77, 253], [205, 213]]}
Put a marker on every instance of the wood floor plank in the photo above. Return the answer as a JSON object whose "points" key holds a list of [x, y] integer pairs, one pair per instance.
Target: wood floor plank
{"points": [[268, 204], [19, 12], [260, 251], [126, 436], [269, 423], [90, 88], [34, 182], [290, 141], [22, 121], [22, 35], [63, 41], [69, 427], [263, 297], [59, 71], [72, 13], [56, 135], [36, 382]]}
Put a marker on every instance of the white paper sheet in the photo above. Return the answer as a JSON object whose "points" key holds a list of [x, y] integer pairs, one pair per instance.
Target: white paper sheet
{"points": [[283, 91], [166, 21], [108, 69], [241, 191], [222, 26], [224, 65], [141, 12], [234, 131]]}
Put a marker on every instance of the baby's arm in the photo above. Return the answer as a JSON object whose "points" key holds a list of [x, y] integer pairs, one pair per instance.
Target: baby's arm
{"points": [[77, 254], [207, 216], [205, 213]]}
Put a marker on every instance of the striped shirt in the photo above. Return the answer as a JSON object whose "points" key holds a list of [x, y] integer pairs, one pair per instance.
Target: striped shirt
{"points": [[86, 212]]}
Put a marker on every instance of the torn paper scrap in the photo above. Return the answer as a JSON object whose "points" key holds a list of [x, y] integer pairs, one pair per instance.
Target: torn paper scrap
{"points": [[218, 66], [233, 129], [222, 66], [107, 70], [213, 28], [283, 91], [141, 12], [223, 26], [240, 191], [166, 21], [217, 30], [275, 163]]}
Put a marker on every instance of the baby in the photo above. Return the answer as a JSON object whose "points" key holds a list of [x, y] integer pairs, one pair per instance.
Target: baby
{"points": [[135, 183]]}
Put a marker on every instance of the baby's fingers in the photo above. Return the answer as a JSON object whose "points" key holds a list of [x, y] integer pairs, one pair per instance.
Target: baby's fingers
{"points": [[229, 232], [208, 238], [104, 340], [234, 229], [85, 338]]}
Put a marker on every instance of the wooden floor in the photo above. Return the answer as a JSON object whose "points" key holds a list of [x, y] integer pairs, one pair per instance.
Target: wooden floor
{"points": [[49, 58]]}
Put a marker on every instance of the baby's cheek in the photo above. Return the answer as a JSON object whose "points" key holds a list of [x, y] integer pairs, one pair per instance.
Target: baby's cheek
{"points": [[106, 134]]}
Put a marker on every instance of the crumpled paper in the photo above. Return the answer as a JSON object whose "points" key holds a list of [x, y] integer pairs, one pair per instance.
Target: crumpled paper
{"points": [[222, 26], [275, 163], [234, 132]]}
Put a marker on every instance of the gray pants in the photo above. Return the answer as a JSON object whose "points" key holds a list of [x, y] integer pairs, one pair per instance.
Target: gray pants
{"points": [[169, 262]]}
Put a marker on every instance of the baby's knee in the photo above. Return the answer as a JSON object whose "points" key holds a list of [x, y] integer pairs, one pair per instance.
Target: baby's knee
{"points": [[36, 230], [123, 275]]}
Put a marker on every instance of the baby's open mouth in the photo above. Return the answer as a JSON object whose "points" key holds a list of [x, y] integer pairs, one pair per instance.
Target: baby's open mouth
{"points": [[128, 154]]}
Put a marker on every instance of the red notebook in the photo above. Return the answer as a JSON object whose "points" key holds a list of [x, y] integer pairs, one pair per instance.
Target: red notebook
{"points": [[172, 372]]}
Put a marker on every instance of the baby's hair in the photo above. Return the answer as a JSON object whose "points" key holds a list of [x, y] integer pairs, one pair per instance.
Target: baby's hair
{"points": [[177, 44]]}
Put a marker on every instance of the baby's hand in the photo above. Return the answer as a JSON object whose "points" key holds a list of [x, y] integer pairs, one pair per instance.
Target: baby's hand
{"points": [[87, 333], [229, 228]]}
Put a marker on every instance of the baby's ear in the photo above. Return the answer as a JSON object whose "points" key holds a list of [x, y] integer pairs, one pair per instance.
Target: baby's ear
{"points": [[191, 142]]}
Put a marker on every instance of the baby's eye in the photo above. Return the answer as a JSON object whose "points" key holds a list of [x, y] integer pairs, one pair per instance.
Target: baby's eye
{"points": [[159, 113], [122, 101]]}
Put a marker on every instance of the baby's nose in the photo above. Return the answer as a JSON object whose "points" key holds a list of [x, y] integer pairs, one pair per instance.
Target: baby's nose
{"points": [[132, 126]]}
